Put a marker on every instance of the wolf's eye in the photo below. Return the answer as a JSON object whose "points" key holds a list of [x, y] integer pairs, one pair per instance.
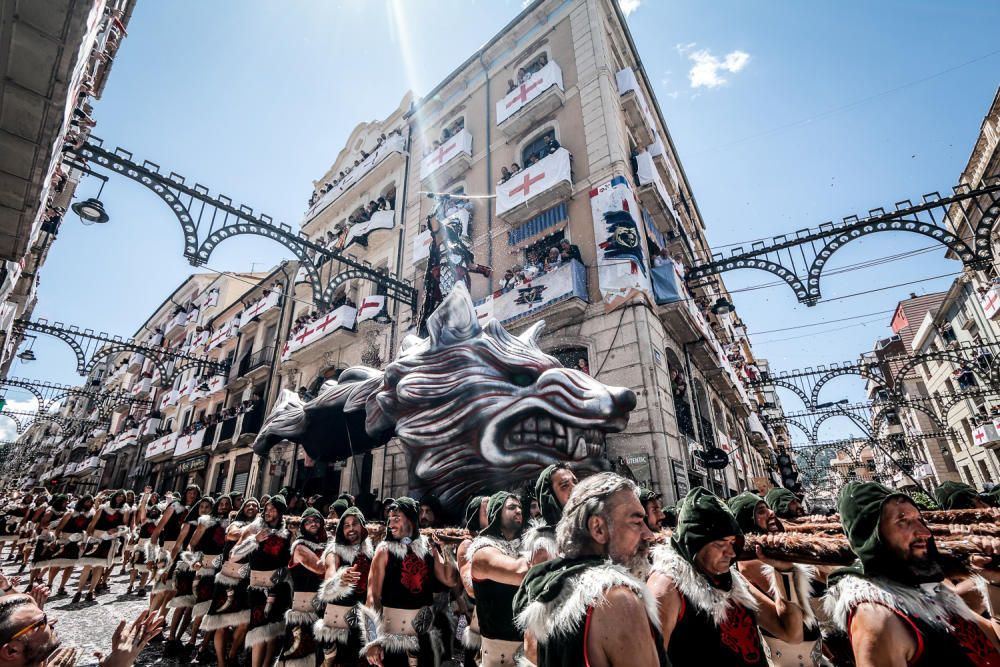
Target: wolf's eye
{"points": [[523, 379]]}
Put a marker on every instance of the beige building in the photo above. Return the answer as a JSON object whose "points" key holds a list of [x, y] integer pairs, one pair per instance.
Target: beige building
{"points": [[582, 85]]}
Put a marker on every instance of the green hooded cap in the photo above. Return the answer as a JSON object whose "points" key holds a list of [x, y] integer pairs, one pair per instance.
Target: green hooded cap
{"points": [[311, 512], [646, 495], [955, 496], [494, 511], [411, 510], [340, 507], [703, 518], [471, 521], [338, 537], [743, 507], [778, 499], [279, 502], [860, 505], [551, 510]]}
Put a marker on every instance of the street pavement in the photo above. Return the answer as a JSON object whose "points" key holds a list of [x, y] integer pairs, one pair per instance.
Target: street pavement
{"points": [[90, 625]]}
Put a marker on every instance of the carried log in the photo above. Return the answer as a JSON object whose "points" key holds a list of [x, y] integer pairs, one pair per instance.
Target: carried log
{"points": [[988, 515], [937, 529]]}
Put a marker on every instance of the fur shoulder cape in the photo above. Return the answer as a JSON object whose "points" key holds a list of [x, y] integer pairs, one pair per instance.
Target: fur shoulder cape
{"points": [[564, 614], [347, 553], [934, 604], [696, 588], [398, 549]]}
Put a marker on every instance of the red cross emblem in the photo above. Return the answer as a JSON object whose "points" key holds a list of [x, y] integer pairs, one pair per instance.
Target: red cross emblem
{"points": [[525, 186], [991, 302], [522, 95], [979, 436], [305, 334], [438, 158], [367, 305], [330, 319]]}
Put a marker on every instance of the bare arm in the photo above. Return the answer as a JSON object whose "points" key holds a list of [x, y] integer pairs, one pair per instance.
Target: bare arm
{"points": [[778, 616], [465, 567], [490, 563], [62, 524], [306, 558], [668, 601], [161, 524], [376, 574], [444, 566], [93, 522], [620, 634], [879, 639], [185, 529]]}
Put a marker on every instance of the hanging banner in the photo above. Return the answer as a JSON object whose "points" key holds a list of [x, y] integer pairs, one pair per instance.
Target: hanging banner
{"points": [[422, 245], [370, 307], [393, 144], [262, 305], [225, 332], [622, 265], [534, 180], [189, 443], [991, 302], [569, 280], [379, 220], [533, 86], [446, 152], [341, 318]]}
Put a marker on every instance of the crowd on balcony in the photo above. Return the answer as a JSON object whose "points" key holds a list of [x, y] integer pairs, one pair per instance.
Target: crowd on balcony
{"points": [[265, 293], [550, 146], [346, 171], [447, 133], [540, 259], [525, 73], [305, 319]]}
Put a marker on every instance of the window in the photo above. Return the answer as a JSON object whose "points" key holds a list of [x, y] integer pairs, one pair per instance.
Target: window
{"points": [[536, 147], [573, 357], [984, 471], [967, 475]]}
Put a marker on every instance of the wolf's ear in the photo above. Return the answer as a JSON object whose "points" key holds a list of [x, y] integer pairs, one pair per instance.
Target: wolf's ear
{"points": [[455, 319], [531, 335]]}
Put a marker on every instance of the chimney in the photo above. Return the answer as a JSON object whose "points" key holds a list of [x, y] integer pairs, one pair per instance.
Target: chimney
{"points": [[913, 295]]}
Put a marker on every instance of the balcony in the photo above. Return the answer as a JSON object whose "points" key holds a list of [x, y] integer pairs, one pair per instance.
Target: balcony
{"points": [[192, 317], [261, 306], [525, 106], [187, 444], [176, 324], [227, 431], [559, 296], [991, 303], [225, 332], [339, 318], [358, 232], [251, 423], [449, 160], [135, 362], [147, 431], [653, 194], [394, 145], [198, 340], [987, 435], [638, 113], [161, 448], [203, 387], [261, 359], [141, 387], [88, 466], [170, 398], [535, 189]]}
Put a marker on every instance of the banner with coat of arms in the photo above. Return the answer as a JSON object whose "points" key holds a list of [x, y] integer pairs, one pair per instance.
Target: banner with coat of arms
{"points": [[623, 268]]}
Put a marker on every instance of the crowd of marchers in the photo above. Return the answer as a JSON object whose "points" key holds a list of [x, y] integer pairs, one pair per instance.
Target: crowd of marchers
{"points": [[591, 572]]}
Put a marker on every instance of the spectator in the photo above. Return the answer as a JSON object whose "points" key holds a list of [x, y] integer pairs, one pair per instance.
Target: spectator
{"points": [[551, 145], [568, 251], [511, 86], [553, 260], [661, 258], [508, 280], [532, 267], [582, 365], [514, 168], [504, 174]]}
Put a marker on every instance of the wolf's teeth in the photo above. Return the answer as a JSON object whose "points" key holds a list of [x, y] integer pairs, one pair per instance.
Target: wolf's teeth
{"points": [[559, 429]]}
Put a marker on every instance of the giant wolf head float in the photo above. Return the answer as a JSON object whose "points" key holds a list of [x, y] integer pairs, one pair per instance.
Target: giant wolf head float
{"points": [[476, 408]]}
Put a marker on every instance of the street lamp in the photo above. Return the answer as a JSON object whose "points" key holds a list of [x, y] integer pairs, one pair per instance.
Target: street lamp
{"points": [[91, 210], [722, 306], [831, 404]]}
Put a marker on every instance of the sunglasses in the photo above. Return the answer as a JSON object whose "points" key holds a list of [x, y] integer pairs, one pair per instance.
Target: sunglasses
{"points": [[37, 625]]}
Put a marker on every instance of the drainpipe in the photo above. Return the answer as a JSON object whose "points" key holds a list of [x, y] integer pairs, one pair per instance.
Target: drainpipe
{"points": [[489, 173], [401, 205], [694, 403]]}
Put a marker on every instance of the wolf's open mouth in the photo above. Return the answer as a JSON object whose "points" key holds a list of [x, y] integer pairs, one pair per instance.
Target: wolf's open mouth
{"points": [[538, 430]]}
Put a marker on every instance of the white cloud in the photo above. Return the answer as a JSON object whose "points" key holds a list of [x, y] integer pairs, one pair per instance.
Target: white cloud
{"points": [[8, 429], [684, 48], [628, 6], [705, 73]]}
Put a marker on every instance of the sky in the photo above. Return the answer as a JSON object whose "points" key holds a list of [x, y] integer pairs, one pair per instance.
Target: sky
{"points": [[784, 115]]}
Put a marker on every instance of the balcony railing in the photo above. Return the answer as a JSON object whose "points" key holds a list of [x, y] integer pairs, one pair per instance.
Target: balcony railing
{"points": [[262, 306], [227, 429], [393, 144], [569, 281], [358, 233], [638, 113], [535, 188], [255, 360], [224, 333], [339, 318], [135, 362], [141, 387], [162, 447], [987, 435], [176, 323], [448, 160], [653, 194], [539, 96]]}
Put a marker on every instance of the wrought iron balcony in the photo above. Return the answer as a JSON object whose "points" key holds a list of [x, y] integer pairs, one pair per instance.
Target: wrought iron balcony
{"points": [[638, 113], [392, 146], [525, 106], [536, 188], [449, 160], [556, 295], [255, 360]]}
